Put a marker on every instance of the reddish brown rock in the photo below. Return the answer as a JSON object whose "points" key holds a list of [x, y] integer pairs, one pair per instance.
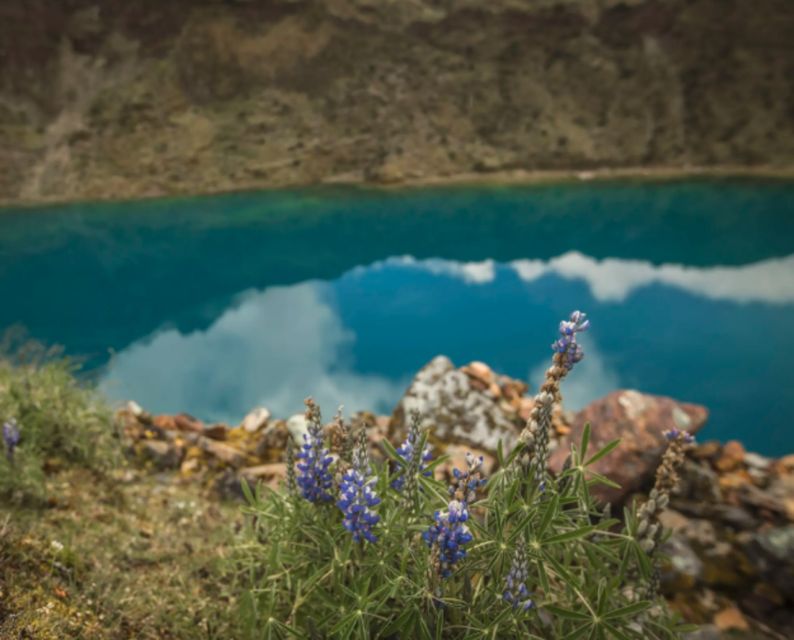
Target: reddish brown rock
{"points": [[186, 422], [167, 423], [639, 421]]}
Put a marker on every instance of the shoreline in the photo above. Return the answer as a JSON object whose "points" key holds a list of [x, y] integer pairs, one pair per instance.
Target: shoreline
{"points": [[499, 178]]}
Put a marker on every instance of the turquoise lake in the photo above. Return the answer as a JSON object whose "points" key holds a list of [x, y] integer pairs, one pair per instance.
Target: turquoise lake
{"points": [[214, 305]]}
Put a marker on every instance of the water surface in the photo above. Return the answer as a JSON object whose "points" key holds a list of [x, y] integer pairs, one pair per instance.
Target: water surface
{"points": [[213, 305]]}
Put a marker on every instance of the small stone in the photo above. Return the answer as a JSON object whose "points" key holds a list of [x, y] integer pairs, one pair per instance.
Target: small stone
{"points": [[731, 618], [271, 474], [217, 431], [731, 457], [189, 466], [134, 409], [164, 455], [479, 370], [735, 480], [222, 452], [673, 520], [707, 450], [165, 422], [186, 422], [255, 420], [757, 461], [785, 464]]}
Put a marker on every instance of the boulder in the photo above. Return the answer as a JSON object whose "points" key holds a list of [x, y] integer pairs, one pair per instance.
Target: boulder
{"points": [[461, 406], [639, 421]]}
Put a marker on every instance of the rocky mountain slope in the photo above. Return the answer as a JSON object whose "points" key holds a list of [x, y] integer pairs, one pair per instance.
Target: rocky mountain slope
{"points": [[106, 98]]}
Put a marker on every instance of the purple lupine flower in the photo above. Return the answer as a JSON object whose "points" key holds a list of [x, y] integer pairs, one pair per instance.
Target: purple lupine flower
{"points": [[314, 479], [466, 483], [10, 437], [358, 497], [448, 537], [566, 344], [406, 452], [516, 592], [673, 434]]}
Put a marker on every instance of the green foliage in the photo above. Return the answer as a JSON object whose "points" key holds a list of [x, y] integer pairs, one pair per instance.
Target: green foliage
{"points": [[61, 421], [306, 578]]}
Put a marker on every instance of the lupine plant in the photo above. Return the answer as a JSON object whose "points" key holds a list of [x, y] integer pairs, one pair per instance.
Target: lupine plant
{"points": [[522, 554], [47, 415]]}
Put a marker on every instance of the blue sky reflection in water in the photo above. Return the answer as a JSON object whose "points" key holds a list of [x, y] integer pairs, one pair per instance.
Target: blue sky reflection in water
{"points": [[215, 305]]}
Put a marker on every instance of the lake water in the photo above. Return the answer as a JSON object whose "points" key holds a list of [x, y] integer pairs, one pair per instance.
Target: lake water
{"points": [[214, 305]]}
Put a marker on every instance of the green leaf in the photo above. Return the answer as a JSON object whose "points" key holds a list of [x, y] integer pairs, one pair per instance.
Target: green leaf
{"points": [[597, 478], [578, 632], [628, 611], [390, 450], [552, 509], [581, 532], [249, 496], [606, 450], [617, 633], [500, 456], [585, 442], [568, 614]]}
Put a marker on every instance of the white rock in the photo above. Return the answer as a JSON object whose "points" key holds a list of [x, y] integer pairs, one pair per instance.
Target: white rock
{"points": [[297, 427], [134, 408], [456, 411], [756, 461], [255, 420]]}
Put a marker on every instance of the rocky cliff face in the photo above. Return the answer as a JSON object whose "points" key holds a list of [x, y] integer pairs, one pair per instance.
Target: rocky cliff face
{"points": [[108, 98]]}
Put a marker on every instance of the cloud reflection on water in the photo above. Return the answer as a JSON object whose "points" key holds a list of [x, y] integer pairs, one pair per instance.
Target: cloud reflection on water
{"points": [[614, 279], [276, 346], [272, 348]]}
